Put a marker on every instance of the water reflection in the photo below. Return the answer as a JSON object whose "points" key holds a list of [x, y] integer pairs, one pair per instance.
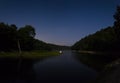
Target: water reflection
{"points": [[64, 68], [95, 61], [9, 72], [59, 69]]}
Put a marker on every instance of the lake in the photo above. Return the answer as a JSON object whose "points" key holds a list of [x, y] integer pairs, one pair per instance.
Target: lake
{"points": [[58, 69]]}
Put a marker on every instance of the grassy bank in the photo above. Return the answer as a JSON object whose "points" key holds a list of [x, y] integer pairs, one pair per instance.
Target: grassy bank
{"points": [[29, 55], [100, 52], [95, 60]]}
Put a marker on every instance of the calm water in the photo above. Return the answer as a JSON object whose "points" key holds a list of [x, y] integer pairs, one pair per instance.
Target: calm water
{"points": [[59, 69], [63, 68]]}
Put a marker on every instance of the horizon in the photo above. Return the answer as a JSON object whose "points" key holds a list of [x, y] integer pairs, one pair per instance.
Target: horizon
{"points": [[60, 22]]}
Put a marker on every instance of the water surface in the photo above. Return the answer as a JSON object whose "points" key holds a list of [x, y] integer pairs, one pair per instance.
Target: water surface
{"points": [[63, 68], [59, 69]]}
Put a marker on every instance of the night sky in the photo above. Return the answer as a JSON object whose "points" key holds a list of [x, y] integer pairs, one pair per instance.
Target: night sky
{"points": [[60, 22]]}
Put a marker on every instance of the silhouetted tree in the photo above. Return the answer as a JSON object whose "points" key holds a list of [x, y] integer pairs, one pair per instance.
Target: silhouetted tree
{"points": [[117, 27], [117, 22], [13, 38], [26, 37], [102, 40], [7, 37]]}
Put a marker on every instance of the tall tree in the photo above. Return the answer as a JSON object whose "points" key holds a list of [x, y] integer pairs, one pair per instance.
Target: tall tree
{"points": [[26, 37], [117, 27], [117, 23], [7, 37]]}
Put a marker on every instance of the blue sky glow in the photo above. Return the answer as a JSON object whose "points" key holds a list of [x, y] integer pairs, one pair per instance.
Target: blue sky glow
{"points": [[60, 22]]}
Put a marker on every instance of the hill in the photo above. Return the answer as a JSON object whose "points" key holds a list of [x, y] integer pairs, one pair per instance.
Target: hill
{"points": [[103, 40]]}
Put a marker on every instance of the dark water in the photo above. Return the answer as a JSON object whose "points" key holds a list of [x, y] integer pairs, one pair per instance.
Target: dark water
{"points": [[64, 68], [60, 69]]}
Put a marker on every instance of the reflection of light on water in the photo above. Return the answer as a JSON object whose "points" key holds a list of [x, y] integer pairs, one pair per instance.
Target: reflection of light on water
{"points": [[64, 68], [60, 51]]}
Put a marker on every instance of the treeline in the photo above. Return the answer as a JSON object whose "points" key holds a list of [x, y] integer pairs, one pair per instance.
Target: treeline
{"points": [[13, 38], [107, 39], [40, 45], [59, 47], [102, 40]]}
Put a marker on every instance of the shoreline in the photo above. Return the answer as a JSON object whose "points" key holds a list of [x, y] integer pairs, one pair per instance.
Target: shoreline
{"points": [[100, 52], [29, 54]]}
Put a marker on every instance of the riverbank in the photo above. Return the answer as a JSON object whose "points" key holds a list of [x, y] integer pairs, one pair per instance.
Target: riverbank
{"points": [[100, 52], [107, 64], [111, 73], [97, 60], [15, 67], [29, 54]]}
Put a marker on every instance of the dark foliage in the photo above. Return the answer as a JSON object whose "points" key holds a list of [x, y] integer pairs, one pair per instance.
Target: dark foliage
{"points": [[40, 45], [10, 35], [107, 39], [100, 41], [7, 37], [117, 26]]}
